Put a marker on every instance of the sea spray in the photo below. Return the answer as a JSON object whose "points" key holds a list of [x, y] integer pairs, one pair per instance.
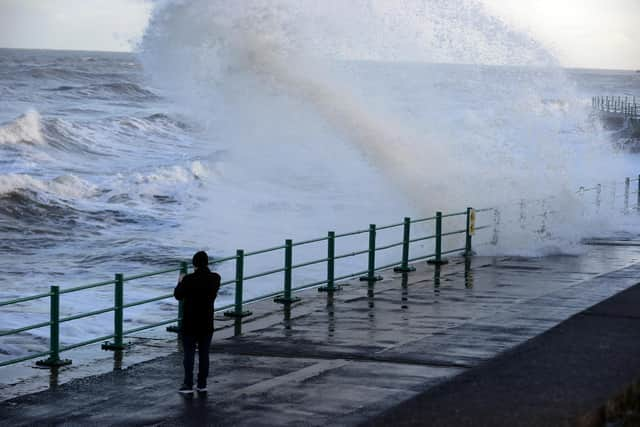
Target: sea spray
{"points": [[487, 133]]}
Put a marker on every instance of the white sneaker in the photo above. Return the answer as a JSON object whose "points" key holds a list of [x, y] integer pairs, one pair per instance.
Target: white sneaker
{"points": [[185, 390]]}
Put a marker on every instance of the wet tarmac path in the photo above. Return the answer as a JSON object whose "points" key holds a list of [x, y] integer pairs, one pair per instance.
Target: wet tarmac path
{"points": [[346, 359]]}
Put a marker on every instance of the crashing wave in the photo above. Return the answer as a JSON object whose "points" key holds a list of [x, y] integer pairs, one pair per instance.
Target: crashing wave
{"points": [[64, 186], [32, 129], [169, 176], [130, 90], [154, 122], [25, 129]]}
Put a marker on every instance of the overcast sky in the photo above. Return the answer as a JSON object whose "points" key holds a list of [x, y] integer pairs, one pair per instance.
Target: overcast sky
{"points": [[72, 24], [581, 33]]}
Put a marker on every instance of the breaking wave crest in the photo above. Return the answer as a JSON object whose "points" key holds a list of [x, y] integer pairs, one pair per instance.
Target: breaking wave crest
{"points": [[25, 129], [67, 74], [39, 211], [31, 128], [164, 184], [155, 122], [95, 137], [64, 186], [127, 90]]}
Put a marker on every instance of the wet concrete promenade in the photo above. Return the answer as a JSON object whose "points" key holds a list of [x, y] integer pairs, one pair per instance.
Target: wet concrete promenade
{"points": [[416, 338]]}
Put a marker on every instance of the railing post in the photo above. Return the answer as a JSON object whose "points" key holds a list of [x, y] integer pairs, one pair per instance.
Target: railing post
{"points": [[496, 226], [118, 316], [371, 269], [470, 230], [545, 214], [638, 195], [438, 260], [286, 298], [237, 313], [627, 185], [54, 332], [406, 242], [184, 270], [331, 255], [288, 260]]}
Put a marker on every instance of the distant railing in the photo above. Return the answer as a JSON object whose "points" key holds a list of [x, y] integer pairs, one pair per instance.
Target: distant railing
{"points": [[618, 196], [237, 311], [623, 106]]}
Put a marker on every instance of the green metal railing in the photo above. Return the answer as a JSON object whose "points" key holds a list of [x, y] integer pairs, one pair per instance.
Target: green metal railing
{"points": [[237, 309], [329, 284]]}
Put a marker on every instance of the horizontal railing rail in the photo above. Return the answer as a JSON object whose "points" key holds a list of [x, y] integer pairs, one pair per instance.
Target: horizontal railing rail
{"points": [[438, 230], [25, 299]]}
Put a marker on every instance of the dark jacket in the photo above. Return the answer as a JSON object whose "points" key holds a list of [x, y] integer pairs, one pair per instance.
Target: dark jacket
{"points": [[198, 291]]}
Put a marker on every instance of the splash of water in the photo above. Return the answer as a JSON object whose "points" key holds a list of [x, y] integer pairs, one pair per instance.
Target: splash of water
{"points": [[299, 90], [25, 129]]}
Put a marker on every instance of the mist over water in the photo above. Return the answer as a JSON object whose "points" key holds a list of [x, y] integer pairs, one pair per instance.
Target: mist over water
{"points": [[241, 124]]}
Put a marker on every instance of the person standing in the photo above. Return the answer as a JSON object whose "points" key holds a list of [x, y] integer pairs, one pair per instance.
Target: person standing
{"points": [[197, 291]]}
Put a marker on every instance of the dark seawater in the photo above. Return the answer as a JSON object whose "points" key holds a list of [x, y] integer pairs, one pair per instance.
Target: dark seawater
{"points": [[90, 161]]}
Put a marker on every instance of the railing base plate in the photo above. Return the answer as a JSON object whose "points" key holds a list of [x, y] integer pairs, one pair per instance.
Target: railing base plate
{"points": [[335, 288], [286, 301], [442, 261], [370, 279], [115, 347], [236, 315], [52, 363], [408, 269]]}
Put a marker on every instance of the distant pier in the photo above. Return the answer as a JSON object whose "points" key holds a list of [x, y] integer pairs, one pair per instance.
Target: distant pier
{"points": [[618, 112], [617, 106]]}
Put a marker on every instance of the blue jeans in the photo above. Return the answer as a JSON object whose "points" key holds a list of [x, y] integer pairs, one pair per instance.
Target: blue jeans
{"points": [[189, 343]]}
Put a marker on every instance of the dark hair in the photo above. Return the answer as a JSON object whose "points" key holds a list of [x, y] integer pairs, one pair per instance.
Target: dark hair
{"points": [[200, 259]]}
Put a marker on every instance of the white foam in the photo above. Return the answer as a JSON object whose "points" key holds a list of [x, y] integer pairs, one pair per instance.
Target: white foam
{"points": [[179, 182], [64, 186], [25, 129], [172, 175]]}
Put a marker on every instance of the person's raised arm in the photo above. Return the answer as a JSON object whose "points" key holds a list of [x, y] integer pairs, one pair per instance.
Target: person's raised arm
{"points": [[178, 291], [216, 286]]}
